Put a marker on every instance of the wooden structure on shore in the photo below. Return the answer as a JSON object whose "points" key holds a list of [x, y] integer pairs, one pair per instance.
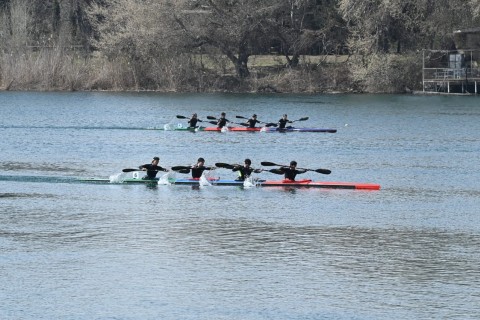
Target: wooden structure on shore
{"points": [[454, 71]]}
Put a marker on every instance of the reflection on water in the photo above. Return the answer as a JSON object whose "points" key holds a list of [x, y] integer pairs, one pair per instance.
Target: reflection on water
{"points": [[420, 254]]}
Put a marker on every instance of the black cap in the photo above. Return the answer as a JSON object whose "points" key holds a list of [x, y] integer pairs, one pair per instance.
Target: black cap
{"points": [[248, 161], [156, 158], [254, 115], [293, 163], [201, 160]]}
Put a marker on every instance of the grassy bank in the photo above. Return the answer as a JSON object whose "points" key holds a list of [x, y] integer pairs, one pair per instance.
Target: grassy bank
{"points": [[49, 70]]}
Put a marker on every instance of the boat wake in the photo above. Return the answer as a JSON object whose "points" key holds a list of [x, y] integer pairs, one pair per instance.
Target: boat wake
{"points": [[166, 178], [203, 182]]}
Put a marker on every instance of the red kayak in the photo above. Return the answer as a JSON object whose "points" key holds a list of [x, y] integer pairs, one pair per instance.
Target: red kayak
{"points": [[244, 129], [311, 184]]}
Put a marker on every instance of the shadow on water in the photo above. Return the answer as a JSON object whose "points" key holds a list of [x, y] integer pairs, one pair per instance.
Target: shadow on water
{"points": [[41, 167]]}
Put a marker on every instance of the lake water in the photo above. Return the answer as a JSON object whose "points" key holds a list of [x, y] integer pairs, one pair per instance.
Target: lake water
{"points": [[71, 250]]}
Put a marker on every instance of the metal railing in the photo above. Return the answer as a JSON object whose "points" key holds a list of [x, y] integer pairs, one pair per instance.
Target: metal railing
{"points": [[450, 74]]}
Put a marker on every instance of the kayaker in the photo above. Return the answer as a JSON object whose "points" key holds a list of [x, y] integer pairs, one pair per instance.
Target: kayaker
{"points": [[197, 169], [192, 123], [222, 121], [252, 121], [152, 169], [245, 171], [292, 171], [282, 123]]}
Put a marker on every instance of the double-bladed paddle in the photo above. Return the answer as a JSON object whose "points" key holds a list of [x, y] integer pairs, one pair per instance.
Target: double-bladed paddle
{"points": [[179, 168], [213, 118], [175, 168], [183, 117], [186, 169], [269, 164], [301, 119], [276, 124], [232, 166], [269, 124], [133, 170], [225, 165]]}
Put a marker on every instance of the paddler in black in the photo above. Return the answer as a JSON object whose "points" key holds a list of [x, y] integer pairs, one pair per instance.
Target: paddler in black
{"points": [[245, 171], [292, 171], [197, 170], [252, 121], [282, 123], [192, 123], [152, 169], [222, 121]]}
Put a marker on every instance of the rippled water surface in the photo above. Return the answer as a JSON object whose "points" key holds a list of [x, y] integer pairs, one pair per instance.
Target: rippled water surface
{"points": [[72, 250]]}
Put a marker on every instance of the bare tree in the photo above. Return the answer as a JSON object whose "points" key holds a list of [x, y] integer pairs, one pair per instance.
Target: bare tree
{"points": [[382, 26], [236, 28], [302, 26]]}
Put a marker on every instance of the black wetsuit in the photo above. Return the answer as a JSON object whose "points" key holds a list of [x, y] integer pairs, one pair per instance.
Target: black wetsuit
{"points": [[290, 173], [252, 122], [282, 123], [244, 172], [152, 170], [222, 122], [198, 170], [193, 122]]}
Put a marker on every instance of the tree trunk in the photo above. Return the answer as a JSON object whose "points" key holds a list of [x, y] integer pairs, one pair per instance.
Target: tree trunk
{"points": [[293, 62], [240, 63], [241, 67]]}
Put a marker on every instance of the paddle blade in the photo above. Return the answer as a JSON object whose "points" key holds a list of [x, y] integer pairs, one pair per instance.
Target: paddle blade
{"points": [[240, 117], [212, 122], [184, 171], [268, 164], [211, 118], [181, 117], [224, 165], [178, 168], [271, 124], [323, 171], [276, 171], [130, 170], [301, 119]]}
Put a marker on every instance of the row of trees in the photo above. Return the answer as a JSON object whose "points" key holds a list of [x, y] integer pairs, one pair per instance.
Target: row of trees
{"points": [[162, 43]]}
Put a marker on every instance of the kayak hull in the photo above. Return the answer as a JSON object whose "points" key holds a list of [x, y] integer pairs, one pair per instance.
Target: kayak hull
{"points": [[270, 129], [321, 184], [267, 129], [215, 182], [239, 129], [261, 183]]}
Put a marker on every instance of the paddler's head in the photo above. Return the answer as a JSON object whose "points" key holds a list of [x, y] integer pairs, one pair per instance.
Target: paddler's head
{"points": [[155, 160], [248, 163]]}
